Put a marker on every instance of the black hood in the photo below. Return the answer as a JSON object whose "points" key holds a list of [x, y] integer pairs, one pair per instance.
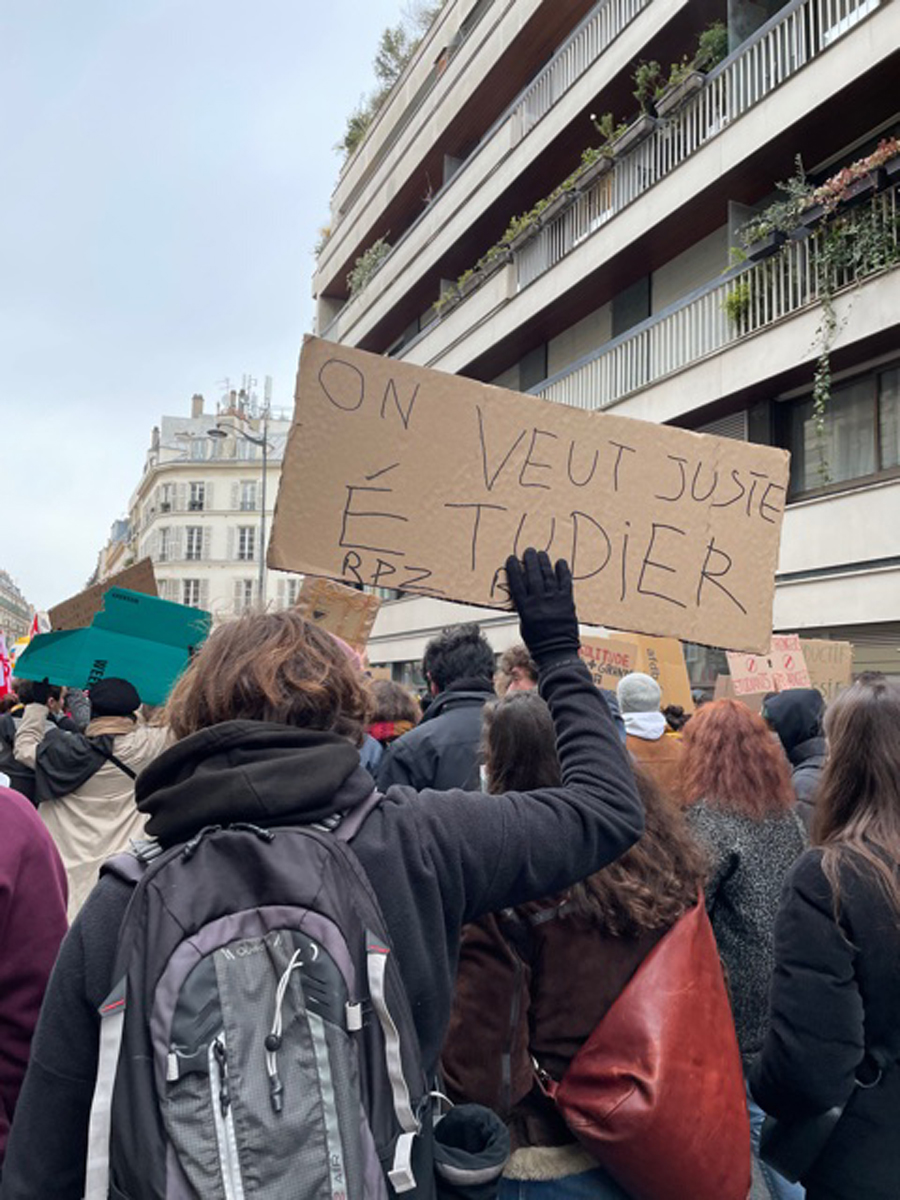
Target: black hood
{"points": [[254, 771], [462, 693], [795, 715]]}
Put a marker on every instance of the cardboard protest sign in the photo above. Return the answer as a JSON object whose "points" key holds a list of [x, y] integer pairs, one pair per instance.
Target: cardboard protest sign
{"points": [[725, 691], [608, 660], [663, 660], [341, 610], [830, 664], [80, 610], [136, 637], [782, 668], [399, 476]]}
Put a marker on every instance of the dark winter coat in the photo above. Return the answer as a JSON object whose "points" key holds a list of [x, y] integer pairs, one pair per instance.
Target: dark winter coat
{"points": [[21, 778], [32, 925], [796, 716], [808, 761], [443, 749], [836, 996], [435, 860], [748, 861]]}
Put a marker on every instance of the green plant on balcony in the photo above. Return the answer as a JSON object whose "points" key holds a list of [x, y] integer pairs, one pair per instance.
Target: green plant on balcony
{"points": [[367, 264], [608, 129], [736, 304], [322, 239], [780, 216], [712, 47], [648, 84]]}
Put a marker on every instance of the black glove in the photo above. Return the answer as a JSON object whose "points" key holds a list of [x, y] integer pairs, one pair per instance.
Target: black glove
{"points": [[543, 599], [40, 691]]}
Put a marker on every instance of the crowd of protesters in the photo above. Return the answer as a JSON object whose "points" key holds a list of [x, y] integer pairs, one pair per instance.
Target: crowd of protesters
{"points": [[541, 852]]}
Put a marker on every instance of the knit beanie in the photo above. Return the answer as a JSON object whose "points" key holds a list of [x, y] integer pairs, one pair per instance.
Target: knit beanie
{"points": [[638, 693], [114, 698]]}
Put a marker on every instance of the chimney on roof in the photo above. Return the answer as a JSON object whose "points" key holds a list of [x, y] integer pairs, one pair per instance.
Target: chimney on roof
{"points": [[196, 405]]}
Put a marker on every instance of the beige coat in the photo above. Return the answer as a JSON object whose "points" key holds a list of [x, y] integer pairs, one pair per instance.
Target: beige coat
{"points": [[99, 818]]}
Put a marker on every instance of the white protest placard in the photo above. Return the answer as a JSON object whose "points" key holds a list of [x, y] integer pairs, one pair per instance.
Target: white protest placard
{"points": [[399, 476]]}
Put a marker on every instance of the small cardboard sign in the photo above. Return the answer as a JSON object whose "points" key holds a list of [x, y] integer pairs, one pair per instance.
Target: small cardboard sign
{"points": [[80, 610], [404, 477], [608, 660], [663, 660], [725, 691], [341, 610], [830, 665], [782, 668]]}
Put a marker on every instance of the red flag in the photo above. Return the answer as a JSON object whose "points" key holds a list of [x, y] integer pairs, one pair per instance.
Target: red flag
{"points": [[35, 627]]}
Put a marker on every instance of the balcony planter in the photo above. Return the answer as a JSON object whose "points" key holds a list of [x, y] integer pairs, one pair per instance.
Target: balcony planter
{"points": [[864, 188], [765, 247], [808, 220], [595, 171], [558, 205], [447, 303], [892, 171], [636, 133], [487, 269], [468, 285], [677, 94], [524, 236]]}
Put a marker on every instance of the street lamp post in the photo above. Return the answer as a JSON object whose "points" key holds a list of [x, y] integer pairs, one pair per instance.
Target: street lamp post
{"points": [[222, 429]]}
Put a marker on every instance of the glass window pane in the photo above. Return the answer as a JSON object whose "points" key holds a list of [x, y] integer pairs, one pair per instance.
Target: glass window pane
{"points": [[845, 450], [889, 415]]}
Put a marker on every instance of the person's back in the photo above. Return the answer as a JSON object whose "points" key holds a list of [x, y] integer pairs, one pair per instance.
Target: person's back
{"points": [[833, 1036], [85, 782], [796, 716], [442, 751], [648, 737], [583, 947], [262, 742], [32, 925]]}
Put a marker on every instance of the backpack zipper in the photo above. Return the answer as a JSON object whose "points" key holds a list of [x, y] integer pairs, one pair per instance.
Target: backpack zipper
{"points": [[220, 1100]]}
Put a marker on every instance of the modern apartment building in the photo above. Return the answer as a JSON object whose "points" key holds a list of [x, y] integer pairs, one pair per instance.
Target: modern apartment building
{"points": [[620, 291], [15, 612], [203, 508]]}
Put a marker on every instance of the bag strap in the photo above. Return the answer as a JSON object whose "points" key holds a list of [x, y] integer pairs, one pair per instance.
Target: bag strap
{"points": [[352, 821], [114, 759], [112, 1028]]}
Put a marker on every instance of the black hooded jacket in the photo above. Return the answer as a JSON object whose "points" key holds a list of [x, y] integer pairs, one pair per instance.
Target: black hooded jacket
{"points": [[436, 860], [796, 716]]}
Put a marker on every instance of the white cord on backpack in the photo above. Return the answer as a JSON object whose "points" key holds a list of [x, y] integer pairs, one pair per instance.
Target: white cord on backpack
{"points": [[273, 1041]]}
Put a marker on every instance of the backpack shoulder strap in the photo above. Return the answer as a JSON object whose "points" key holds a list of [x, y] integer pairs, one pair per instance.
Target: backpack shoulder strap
{"points": [[130, 865], [352, 821], [113, 758]]}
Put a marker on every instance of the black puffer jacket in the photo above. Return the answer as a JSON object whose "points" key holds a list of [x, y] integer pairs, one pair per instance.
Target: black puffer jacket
{"points": [[21, 778], [835, 996], [442, 751], [796, 716]]}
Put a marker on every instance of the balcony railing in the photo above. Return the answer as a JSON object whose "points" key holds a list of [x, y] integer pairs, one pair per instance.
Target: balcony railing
{"points": [[699, 325], [585, 44], [797, 34]]}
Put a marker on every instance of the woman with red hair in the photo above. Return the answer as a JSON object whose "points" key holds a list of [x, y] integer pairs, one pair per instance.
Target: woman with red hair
{"points": [[737, 784]]}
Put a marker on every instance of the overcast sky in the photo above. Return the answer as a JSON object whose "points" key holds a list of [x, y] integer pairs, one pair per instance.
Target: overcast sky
{"points": [[166, 166]]}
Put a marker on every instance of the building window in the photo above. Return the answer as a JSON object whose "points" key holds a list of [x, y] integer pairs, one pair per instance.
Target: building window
{"points": [[164, 547], [167, 497], [243, 595], [198, 448], [860, 437], [194, 545], [190, 592], [248, 495], [245, 450], [246, 543], [198, 497], [291, 592]]}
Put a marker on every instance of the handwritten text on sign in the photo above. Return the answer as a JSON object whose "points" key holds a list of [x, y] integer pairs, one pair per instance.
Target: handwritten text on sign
{"points": [[398, 476]]}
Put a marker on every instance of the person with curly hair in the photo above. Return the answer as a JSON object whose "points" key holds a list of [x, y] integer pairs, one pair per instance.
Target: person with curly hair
{"points": [[736, 783], [588, 942]]}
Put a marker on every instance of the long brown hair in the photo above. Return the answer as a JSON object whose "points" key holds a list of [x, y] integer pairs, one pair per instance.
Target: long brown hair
{"points": [[733, 762], [651, 885], [271, 667], [857, 812]]}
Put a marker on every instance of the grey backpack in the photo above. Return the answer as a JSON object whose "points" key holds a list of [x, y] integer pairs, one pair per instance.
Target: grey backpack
{"points": [[258, 1040]]}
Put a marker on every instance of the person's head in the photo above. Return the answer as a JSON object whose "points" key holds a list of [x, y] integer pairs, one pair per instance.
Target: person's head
{"points": [[676, 717], [638, 693], [732, 762], [25, 691], [114, 698], [516, 672], [858, 799], [795, 715], [519, 744], [271, 667], [459, 652], [394, 710], [10, 700]]}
